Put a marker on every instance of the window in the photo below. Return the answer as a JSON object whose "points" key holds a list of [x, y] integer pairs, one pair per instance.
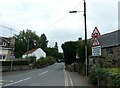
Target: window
{"points": [[3, 56], [0, 56], [110, 51], [4, 44]]}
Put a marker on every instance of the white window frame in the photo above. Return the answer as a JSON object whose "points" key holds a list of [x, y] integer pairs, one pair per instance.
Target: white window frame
{"points": [[4, 44]]}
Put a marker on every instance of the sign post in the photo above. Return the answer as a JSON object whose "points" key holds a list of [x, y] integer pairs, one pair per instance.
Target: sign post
{"points": [[96, 48]]}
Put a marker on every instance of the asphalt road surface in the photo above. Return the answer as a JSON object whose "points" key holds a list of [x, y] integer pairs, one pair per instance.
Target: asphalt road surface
{"points": [[53, 75]]}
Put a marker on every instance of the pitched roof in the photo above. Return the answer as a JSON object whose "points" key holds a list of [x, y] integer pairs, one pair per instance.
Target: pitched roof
{"points": [[31, 51], [110, 39], [5, 39]]}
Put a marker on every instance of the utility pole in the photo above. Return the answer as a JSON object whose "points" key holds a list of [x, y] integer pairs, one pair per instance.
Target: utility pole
{"points": [[86, 53], [28, 45]]}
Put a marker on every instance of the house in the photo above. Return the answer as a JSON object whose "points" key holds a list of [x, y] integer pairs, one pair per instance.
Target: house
{"points": [[35, 52], [110, 48], [6, 48]]}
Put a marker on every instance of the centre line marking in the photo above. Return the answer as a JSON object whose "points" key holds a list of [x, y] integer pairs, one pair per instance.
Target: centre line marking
{"points": [[43, 73], [17, 81]]}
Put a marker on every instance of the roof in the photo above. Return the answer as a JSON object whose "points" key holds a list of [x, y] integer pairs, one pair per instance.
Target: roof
{"points": [[5, 39], [110, 39], [31, 51], [10, 42]]}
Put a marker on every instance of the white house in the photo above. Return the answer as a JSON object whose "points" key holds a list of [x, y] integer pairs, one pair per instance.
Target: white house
{"points": [[35, 52]]}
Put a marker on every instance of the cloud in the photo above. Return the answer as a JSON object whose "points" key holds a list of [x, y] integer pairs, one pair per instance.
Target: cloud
{"points": [[52, 18]]}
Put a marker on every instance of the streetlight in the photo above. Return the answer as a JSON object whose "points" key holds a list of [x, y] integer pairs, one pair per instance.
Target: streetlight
{"points": [[86, 57]]}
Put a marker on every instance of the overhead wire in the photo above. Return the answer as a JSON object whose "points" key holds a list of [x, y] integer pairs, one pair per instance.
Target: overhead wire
{"points": [[47, 26], [62, 17], [11, 29]]}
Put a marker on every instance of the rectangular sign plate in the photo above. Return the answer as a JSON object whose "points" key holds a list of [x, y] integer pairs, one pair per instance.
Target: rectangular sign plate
{"points": [[96, 51]]}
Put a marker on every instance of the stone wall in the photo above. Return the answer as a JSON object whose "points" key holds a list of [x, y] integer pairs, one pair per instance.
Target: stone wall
{"points": [[113, 59], [107, 59], [16, 68]]}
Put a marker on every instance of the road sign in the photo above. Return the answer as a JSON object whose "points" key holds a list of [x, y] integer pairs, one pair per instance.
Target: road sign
{"points": [[96, 45], [96, 32], [96, 42], [96, 51]]}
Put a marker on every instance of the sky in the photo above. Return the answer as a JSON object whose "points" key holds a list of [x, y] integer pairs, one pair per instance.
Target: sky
{"points": [[52, 18]]}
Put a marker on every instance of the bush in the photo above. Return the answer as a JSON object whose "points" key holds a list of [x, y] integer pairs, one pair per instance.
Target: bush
{"points": [[93, 76], [44, 61], [106, 77], [31, 59], [15, 63], [116, 80], [98, 73]]}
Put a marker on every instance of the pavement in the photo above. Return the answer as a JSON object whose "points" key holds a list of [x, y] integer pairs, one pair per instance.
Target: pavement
{"points": [[53, 75]]}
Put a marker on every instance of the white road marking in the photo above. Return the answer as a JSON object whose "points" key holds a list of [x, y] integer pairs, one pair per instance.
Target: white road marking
{"points": [[67, 75], [70, 79], [17, 81], [43, 73], [66, 79]]}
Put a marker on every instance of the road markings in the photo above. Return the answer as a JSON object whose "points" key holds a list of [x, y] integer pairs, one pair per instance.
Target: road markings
{"points": [[43, 73], [67, 78], [70, 79], [17, 81]]}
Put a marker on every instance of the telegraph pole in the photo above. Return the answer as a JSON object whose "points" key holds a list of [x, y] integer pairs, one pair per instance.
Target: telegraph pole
{"points": [[86, 53], [86, 50]]}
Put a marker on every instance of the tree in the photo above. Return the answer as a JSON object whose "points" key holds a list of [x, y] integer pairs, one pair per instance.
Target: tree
{"points": [[81, 53], [81, 50], [56, 51], [43, 41], [69, 50], [25, 41], [56, 46]]}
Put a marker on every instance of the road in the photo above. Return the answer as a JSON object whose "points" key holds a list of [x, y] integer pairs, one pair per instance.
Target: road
{"points": [[54, 75]]}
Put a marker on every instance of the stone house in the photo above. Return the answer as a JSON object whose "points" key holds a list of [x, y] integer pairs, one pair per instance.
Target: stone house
{"points": [[110, 52], [6, 48]]}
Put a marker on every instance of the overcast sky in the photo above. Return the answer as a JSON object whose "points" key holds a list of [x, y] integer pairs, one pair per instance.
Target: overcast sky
{"points": [[52, 17]]}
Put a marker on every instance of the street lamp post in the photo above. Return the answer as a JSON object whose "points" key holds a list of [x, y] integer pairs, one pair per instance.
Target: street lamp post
{"points": [[86, 56]]}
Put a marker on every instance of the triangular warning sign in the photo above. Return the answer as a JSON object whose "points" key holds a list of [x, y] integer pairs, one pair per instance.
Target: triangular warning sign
{"points": [[95, 33], [96, 42]]}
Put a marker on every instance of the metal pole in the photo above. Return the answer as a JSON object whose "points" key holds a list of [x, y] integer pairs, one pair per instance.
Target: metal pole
{"points": [[87, 61], [11, 65], [28, 46]]}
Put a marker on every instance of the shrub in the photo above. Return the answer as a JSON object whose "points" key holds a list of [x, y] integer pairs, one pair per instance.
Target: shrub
{"points": [[31, 59], [15, 63], [44, 61], [116, 80], [93, 76], [106, 77], [98, 73]]}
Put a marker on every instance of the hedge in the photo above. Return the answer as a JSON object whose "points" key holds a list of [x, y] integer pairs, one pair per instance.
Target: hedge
{"points": [[15, 63], [106, 77], [44, 61]]}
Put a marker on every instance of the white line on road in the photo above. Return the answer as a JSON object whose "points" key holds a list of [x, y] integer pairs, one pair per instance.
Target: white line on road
{"points": [[70, 79], [43, 73], [67, 77], [17, 82]]}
